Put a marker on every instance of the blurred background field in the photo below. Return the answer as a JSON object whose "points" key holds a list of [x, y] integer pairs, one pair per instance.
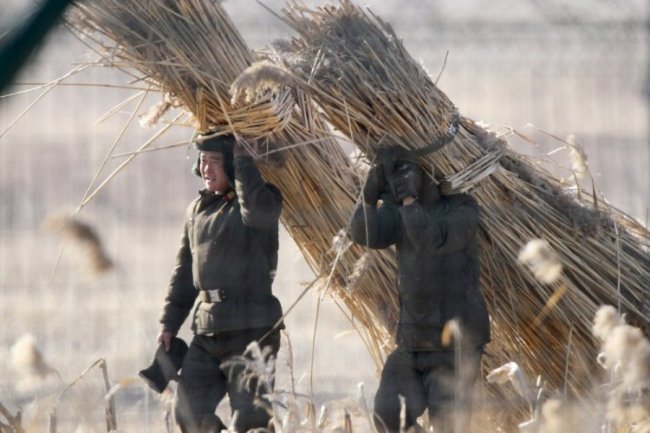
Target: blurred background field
{"points": [[566, 67]]}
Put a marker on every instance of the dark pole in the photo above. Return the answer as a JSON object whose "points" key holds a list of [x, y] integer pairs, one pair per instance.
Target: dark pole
{"points": [[647, 99], [21, 42]]}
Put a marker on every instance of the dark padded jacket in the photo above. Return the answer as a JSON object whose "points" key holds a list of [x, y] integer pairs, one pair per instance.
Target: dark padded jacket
{"points": [[230, 244], [438, 267]]}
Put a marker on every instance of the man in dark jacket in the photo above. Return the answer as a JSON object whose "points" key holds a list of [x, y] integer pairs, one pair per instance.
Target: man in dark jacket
{"points": [[443, 323], [227, 259]]}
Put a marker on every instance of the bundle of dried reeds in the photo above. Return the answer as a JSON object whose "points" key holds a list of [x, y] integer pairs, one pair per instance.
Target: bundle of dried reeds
{"points": [[370, 88], [190, 51]]}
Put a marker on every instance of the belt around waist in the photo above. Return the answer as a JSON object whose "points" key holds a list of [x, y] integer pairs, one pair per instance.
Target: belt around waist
{"points": [[220, 295]]}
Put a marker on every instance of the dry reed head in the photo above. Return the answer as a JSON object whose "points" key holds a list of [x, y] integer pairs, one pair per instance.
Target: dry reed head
{"points": [[511, 373], [156, 112], [540, 258], [360, 164], [27, 360], [261, 81], [255, 367], [359, 271], [340, 242], [578, 158], [605, 320], [553, 419], [85, 238], [631, 416], [626, 355]]}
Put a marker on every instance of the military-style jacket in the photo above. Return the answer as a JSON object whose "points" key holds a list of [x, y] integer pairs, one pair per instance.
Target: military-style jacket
{"points": [[438, 267], [229, 243]]}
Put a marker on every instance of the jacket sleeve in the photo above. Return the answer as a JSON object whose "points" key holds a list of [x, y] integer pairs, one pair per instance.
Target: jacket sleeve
{"points": [[375, 227], [449, 227], [181, 292], [260, 202]]}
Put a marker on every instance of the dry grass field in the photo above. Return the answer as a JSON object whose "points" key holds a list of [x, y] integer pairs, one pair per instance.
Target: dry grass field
{"points": [[512, 65]]}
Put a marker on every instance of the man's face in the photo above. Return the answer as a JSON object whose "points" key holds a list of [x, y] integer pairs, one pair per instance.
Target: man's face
{"points": [[213, 171]]}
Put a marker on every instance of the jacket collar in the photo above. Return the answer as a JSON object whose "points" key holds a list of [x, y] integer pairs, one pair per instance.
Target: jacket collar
{"points": [[212, 197]]}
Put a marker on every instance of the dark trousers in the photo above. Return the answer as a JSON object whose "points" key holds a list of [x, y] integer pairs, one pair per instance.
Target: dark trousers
{"points": [[440, 381], [211, 369]]}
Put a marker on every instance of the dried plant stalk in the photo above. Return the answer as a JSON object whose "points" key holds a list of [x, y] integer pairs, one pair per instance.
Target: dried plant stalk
{"points": [[109, 403]]}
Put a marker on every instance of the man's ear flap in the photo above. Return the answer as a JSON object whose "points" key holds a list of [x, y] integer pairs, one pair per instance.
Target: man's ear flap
{"points": [[195, 168]]}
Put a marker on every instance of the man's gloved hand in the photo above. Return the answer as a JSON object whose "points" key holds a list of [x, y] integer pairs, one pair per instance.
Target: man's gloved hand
{"points": [[404, 179], [375, 184], [251, 147], [241, 149]]}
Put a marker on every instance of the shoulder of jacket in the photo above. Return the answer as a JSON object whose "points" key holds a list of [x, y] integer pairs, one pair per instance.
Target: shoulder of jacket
{"points": [[462, 199], [190, 208], [273, 187]]}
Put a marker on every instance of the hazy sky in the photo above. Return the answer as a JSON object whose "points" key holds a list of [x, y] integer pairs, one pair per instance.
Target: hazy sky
{"points": [[488, 10]]}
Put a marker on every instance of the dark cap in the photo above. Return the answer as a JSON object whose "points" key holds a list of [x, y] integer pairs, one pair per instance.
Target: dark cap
{"points": [[208, 141], [165, 365], [219, 143]]}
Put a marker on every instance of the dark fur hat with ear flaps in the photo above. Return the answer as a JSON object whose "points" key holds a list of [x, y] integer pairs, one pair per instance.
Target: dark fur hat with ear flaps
{"points": [[209, 142]]}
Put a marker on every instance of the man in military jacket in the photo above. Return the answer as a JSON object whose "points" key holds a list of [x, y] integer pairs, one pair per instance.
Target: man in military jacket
{"points": [[227, 259], [443, 322]]}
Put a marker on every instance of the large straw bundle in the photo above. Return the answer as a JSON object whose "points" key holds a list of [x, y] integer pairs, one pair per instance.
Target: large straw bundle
{"points": [[370, 88], [190, 51], [357, 70]]}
